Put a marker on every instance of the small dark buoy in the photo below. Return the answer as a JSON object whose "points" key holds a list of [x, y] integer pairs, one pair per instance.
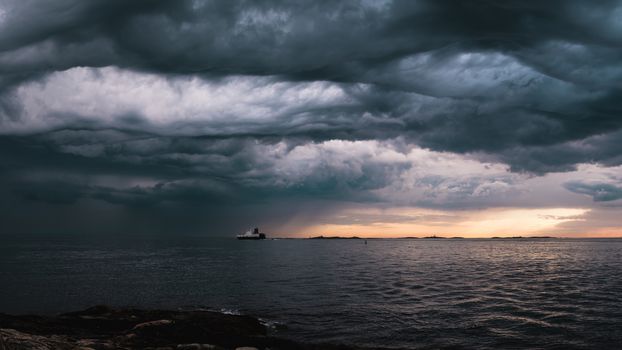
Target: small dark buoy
{"points": [[365, 241]]}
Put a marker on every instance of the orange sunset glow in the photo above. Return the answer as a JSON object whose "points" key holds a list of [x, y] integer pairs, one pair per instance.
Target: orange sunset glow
{"points": [[501, 222]]}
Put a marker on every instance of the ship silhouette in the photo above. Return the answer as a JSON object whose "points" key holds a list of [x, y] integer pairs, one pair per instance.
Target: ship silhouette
{"points": [[254, 234]]}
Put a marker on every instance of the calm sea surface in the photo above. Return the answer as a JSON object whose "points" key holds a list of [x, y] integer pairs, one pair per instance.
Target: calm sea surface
{"points": [[485, 294]]}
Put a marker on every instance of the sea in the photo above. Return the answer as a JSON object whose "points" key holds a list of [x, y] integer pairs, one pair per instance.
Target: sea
{"points": [[394, 293]]}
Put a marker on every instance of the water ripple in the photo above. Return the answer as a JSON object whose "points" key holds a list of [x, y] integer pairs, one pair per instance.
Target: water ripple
{"points": [[484, 294]]}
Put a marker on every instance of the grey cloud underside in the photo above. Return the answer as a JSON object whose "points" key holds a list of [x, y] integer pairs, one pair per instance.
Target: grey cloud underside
{"points": [[79, 181], [534, 85], [64, 166], [600, 192], [141, 169]]}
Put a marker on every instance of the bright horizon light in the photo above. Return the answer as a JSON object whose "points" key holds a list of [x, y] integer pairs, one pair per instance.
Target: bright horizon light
{"points": [[500, 222]]}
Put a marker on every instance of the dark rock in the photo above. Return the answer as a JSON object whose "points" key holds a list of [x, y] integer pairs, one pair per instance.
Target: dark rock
{"points": [[11, 339], [189, 347], [102, 327]]}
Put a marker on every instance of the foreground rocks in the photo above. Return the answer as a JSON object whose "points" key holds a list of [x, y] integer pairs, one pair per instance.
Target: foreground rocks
{"points": [[102, 327]]}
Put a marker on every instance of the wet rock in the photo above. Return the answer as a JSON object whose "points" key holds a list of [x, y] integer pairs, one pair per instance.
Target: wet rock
{"points": [[156, 323], [97, 344], [189, 347], [10, 339]]}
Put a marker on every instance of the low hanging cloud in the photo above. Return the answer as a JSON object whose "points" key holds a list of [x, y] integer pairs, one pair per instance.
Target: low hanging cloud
{"points": [[159, 169], [600, 192]]}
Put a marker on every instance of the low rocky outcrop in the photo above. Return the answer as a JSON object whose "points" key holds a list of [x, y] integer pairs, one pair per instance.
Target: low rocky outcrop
{"points": [[103, 328]]}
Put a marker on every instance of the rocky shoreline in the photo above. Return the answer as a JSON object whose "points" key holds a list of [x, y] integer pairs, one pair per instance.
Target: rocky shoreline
{"points": [[102, 327]]}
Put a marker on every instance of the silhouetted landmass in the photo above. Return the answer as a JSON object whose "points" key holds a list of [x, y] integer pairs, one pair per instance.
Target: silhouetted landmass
{"points": [[430, 237], [101, 327], [521, 237]]}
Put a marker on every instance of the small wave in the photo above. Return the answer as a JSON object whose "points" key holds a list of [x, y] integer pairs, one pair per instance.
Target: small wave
{"points": [[227, 311]]}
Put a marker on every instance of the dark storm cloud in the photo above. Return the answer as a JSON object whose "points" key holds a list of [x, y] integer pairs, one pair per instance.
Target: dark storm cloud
{"points": [[535, 85], [172, 177], [319, 40], [566, 54], [153, 187], [600, 192]]}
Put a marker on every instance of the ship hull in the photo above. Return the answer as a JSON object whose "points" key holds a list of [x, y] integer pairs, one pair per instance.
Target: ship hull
{"points": [[254, 237]]}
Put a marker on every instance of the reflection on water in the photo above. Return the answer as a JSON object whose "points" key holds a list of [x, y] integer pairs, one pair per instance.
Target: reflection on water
{"points": [[409, 293]]}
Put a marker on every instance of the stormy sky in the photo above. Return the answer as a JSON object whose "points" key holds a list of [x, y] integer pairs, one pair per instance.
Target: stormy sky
{"points": [[379, 118]]}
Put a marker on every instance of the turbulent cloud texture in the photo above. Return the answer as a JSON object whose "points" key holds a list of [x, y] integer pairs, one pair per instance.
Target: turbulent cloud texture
{"points": [[196, 112]]}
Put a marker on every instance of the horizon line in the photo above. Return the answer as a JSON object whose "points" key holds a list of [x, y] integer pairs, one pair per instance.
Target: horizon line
{"points": [[440, 237]]}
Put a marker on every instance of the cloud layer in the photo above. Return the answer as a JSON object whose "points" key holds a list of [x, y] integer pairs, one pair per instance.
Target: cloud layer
{"points": [[435, 104]]}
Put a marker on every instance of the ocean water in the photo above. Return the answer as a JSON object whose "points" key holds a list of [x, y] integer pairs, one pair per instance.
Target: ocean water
{"points": [[424, 293]]}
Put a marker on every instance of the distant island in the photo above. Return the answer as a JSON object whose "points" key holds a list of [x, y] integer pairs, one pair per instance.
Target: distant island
{"points": [[334, 237], [521, 237], [427, 237]]}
